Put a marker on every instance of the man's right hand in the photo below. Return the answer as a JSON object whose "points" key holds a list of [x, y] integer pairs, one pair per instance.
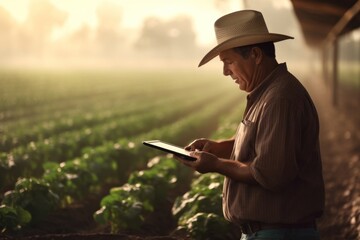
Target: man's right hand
{"points": [[201, 144], [220, 149]]}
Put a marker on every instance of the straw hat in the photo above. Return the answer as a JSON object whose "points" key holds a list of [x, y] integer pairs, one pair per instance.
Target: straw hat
{"points": [[240, 29]]}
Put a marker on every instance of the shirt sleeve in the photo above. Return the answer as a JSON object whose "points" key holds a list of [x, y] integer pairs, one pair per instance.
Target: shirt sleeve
{"points": [[277, 143]]}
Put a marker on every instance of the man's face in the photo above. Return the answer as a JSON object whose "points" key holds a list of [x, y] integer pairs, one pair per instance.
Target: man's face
{"points": [[240, 69]]}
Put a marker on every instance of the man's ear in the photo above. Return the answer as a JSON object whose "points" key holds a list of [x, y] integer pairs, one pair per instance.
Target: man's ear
{"points": [[256, 54]]}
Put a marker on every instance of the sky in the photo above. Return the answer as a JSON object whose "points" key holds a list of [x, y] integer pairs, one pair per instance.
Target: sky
{"points": [[84, 31], [132, 12]]}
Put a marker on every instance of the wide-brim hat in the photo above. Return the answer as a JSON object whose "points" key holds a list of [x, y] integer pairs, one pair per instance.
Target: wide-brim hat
{"points": [[238, 29]]}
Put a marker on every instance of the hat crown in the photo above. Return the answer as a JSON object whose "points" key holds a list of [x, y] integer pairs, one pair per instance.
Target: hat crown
{"points": [[241, 23]]}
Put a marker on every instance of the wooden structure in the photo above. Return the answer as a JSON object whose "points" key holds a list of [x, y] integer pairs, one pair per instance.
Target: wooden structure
{"points": [[323, 22]]}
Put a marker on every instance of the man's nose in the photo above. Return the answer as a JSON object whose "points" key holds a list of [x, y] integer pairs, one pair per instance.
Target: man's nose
{"points": [[226, 71]]}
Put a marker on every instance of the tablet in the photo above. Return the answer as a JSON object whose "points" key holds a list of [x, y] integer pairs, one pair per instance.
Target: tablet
{"points": [[169, 148]]}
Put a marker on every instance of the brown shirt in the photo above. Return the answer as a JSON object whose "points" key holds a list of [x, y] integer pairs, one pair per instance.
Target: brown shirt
{"points": [[279, 138]]}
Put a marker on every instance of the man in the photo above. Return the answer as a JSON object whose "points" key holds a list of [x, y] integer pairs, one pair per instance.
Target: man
{"points": [[273, 185]]}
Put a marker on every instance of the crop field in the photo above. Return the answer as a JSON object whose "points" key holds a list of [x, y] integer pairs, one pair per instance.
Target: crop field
{"points": [[65, 136]]}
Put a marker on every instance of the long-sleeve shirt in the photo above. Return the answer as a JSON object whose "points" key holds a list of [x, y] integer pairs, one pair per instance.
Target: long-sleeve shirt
{"points": [[279, 139]]}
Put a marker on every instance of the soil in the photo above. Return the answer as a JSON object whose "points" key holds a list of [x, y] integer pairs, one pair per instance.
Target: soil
{"points": [[340, 143]]}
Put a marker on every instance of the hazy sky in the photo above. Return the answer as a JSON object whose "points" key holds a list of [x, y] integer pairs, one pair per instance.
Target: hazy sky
{"points": [[132, 12], [42, 29]]}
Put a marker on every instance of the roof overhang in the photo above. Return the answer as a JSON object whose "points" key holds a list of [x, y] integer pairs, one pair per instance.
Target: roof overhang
{"points": [[320, 19]]}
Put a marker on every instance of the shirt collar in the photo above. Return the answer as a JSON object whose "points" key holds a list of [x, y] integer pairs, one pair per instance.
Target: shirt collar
{"points": [[266, 82]]}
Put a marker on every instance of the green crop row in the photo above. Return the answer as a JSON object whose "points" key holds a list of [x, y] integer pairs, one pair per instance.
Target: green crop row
{"points": [[27, 161], [21, 134], [75, 178], [32, 97], [198, 212], [128, 206], [52, 107], [44, 122]]}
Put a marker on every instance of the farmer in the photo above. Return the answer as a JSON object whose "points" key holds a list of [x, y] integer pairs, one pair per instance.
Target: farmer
{"points": [[273, 186]]}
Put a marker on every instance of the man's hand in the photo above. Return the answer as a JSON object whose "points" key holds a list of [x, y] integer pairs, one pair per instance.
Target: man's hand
{"points": [[198, 144], [205, 162], [221, 149]]}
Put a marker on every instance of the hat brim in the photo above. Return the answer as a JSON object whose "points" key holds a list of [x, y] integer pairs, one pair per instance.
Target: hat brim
{"points": [[242, 41]]}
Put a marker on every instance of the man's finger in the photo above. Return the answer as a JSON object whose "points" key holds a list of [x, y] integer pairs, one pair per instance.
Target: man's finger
{"points": [[206, 147], [183, 161], [196, 153]]}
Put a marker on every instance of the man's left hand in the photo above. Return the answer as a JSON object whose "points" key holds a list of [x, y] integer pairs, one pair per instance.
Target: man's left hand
{"points": [[205, 162]]}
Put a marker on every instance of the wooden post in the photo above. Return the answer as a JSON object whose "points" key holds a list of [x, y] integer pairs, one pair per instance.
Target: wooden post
{"points": [[325, 65], [332, 37], [335, 72]]}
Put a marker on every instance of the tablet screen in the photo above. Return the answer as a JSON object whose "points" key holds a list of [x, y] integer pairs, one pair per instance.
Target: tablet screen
{"points": [[167, 147]]}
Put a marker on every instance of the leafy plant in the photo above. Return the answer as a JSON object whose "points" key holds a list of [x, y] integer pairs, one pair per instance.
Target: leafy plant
{"points": [[126, 207], [33, 196], [13, 218], [69, 180], [207, 226], [204, 196], [199, 211]]}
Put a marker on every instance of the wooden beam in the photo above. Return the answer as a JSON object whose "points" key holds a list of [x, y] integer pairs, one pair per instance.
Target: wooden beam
{"points": [[333, 37], [315, 7], [341, 24], [325, 68], [335, 79]]}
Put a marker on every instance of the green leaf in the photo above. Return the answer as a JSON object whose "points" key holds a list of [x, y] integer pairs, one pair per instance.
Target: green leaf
{"points": [[101, 216], [24, 216]]}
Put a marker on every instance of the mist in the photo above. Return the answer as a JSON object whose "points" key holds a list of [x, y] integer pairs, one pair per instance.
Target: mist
{"points": [[156, 42]]}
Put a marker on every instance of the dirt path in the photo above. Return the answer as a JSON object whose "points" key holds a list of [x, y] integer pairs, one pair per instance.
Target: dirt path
{"points": [[340, 146]]}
